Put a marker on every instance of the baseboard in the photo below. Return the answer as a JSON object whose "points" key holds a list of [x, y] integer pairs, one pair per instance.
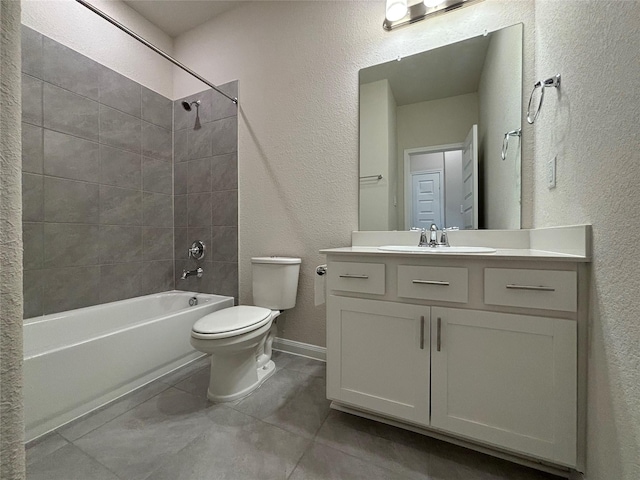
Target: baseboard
{"points": [[299, 348]]}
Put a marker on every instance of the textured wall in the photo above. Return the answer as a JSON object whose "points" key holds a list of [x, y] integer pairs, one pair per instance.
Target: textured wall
{"points": [[75, 26], [97, 182], [11, 421], [591, 124], [297, 65]]}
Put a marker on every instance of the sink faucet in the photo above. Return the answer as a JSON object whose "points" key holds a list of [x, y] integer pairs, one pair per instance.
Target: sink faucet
{"points": [[198, 272], [433, 235]]}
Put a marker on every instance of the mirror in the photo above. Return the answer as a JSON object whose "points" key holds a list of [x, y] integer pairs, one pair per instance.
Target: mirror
{"points": [[433, 130]]}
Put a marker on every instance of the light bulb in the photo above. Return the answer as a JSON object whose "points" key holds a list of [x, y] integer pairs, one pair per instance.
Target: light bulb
{"points": [[433, 3], [396, 9]]}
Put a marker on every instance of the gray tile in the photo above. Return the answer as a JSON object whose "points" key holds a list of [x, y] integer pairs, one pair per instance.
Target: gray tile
{"points": [[196, 384], [157, 276], [224, 136], [33, 244], [409, 459], [31, 52], [291, 400], [120, 244], [32, 198], [120, 281], [180, 214], [120, 129], [70, 113], [157, 210], [70, 70], [199, 176], [180, 178], [44, 446], [79, 428], [32, 285], [225, 279], [71, 157], [221, 106], [157, 175], [199, 207], [68, 463], [134, 444], [308, 366], [193, 283], [180, 146], [187, 120], [157, 109], [224, 210], [120, 168], [120, 92], [244, 447], [204, 235], [224, 172], [31, 100], [120, 206], [181, 243], [224, 244], [281, 359], [70, 245], [32, 151], [70, 201], [324, 463], [200, 142], [156, 142], [70, 288], [185, 372], [157, 243], [450, 462]]}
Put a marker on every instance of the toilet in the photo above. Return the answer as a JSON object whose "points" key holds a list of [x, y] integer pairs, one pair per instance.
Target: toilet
{"points": [[239, 338]]}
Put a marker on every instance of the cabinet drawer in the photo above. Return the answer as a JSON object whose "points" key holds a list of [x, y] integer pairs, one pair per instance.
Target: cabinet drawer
{"points": [[445, 284], [544, 289], [356, 277]]}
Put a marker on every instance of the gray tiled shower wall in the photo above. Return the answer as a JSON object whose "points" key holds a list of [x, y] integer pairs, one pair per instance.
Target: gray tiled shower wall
{"points": [[97, 182], [206, 190]]}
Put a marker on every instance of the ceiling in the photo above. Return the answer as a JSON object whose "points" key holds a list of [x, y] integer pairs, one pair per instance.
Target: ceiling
{"points": [[178, 16]]}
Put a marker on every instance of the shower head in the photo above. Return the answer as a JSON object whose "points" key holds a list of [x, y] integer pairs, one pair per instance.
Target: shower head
{"points": [[187, 105]]}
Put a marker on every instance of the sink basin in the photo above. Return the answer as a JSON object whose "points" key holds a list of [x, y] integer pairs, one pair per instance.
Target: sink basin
{"points": [[436, 250]]}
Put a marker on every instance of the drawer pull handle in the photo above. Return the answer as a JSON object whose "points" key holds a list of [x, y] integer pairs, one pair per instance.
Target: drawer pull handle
{"points": [[439, 335], [540, 288], [422, 332], [432, 282], [350, 275]]}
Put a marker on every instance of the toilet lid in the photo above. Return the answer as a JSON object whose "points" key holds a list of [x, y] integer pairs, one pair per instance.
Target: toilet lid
{"points": [[230, 319]]}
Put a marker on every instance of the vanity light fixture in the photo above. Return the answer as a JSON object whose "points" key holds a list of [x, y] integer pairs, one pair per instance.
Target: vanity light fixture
{"points": [[419, 11]]}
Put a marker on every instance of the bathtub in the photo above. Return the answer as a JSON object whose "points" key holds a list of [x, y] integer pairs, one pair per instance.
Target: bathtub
{"points": [[76, 361]]}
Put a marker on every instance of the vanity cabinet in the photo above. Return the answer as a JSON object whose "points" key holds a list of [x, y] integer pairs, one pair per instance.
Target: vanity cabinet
{"points": [[479, 350]]}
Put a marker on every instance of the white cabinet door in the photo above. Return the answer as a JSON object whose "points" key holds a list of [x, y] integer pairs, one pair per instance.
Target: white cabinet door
{"points": [[507, 380], [378, 357]]}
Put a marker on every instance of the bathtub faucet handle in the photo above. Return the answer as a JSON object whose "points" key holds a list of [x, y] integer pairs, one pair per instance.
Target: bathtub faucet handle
{"points": [[198, 272]]}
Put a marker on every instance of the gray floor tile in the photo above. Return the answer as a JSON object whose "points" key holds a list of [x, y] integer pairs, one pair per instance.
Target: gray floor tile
{"points": [[90, 422], [181, 374], [44, 446], [308, 366], [236, 447], [281, 359], [134, 444], [196, 384], [68, 463], [324, 463]]}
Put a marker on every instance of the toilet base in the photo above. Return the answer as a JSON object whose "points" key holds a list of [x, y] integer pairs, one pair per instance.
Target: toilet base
{"points": [[263, 373]]}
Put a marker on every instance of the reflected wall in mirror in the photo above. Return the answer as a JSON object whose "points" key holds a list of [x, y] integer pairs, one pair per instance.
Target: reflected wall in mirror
{"points": [[432, 133]]}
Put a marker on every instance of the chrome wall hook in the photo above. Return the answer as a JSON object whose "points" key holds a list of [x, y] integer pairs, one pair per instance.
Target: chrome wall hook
{"points": [[549, 82]]}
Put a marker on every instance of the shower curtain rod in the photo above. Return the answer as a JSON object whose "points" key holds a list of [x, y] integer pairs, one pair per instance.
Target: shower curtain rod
{"points": [[130, 32]]}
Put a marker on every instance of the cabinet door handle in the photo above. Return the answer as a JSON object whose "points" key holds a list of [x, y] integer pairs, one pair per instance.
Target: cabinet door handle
{"points": [[422, 332], [540, 288], [351, 275], [439, 335], [432, 282]]}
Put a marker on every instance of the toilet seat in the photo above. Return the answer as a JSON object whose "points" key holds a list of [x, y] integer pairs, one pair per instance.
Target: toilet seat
{"points": [[230, 322]]}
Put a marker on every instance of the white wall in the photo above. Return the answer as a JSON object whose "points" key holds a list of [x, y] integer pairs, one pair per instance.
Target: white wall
{"points": [[591, 124], [297, 64], [500, 112], [73, 25]]}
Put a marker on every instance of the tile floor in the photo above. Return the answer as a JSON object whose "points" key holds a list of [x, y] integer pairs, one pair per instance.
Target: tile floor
{"points": [[284, 430]]}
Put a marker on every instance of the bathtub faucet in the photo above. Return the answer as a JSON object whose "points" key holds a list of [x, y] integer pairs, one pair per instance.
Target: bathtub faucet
{"points": [[189, 273]]}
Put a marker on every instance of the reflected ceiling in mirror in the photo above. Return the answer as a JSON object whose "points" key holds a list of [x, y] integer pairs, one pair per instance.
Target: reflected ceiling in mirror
{"points": [[432, 127]]}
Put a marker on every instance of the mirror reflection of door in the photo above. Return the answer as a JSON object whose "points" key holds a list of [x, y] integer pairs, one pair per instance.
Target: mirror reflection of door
{"points": [[426, 199]]}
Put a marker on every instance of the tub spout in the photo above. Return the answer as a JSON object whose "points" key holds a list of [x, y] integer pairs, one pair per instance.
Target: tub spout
{"points": [[198, 272]]}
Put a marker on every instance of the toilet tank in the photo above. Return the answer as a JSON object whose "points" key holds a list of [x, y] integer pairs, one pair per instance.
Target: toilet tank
{"points": [[275, 282]]}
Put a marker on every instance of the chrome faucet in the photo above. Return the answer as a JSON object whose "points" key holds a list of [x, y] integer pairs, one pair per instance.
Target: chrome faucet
{"points": [[198, 272], [433, 235]]}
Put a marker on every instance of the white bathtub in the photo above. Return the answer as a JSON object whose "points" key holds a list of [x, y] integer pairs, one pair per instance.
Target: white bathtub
{"points": [[76, 361]]}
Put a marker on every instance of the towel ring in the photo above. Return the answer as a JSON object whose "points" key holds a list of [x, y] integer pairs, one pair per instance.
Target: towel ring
{"points": [[505, 141], [549, 82]]}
